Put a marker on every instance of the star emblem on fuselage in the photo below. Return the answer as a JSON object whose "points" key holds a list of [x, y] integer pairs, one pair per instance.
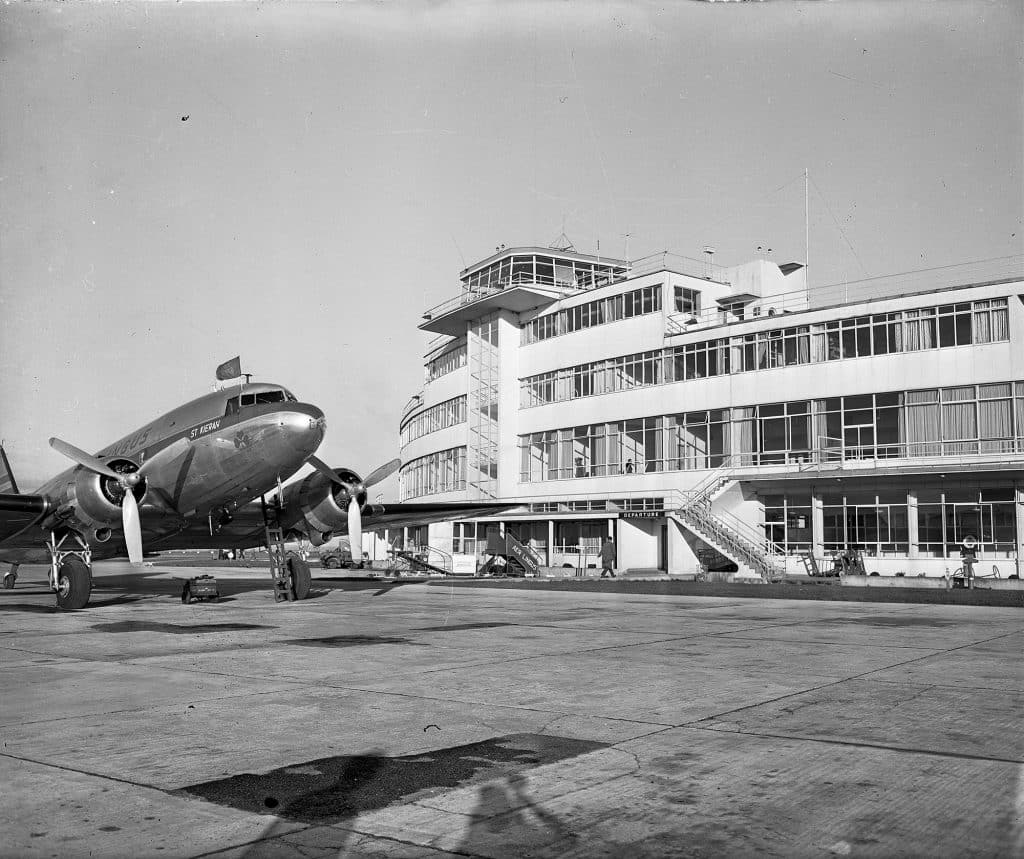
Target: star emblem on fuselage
{"points": [[242, 439]]}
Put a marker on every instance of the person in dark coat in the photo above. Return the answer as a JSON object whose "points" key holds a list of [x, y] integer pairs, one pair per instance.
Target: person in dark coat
{"points": [[608, 558]]}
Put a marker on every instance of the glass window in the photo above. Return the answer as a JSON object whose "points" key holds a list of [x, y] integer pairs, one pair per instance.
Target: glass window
{"points": [[264, 397]]}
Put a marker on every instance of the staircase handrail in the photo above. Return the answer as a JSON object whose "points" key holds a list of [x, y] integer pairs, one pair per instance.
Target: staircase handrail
{"points": [[704, 489], [708, 525], [754, 552], [751, 533], [446, 558]]}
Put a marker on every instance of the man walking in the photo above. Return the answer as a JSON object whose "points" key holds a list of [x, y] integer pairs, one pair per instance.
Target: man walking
{"points": [[608, 558]]}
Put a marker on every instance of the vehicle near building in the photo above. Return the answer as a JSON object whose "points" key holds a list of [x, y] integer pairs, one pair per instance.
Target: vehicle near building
{"points": [[337, 558]]}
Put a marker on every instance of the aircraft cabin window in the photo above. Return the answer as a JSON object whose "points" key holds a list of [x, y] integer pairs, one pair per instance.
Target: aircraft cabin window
{"points": [[270, 397], [248, 400], [232, 407]]}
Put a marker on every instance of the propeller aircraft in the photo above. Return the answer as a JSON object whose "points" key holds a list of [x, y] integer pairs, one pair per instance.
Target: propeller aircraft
{"points": [[188, 480]]}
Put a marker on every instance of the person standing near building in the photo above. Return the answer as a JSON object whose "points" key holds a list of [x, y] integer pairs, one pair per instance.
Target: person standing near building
{"points": [[608, 558]]}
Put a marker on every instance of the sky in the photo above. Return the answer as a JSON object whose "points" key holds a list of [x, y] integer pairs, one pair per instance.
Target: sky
{"points": [[296, 183]]}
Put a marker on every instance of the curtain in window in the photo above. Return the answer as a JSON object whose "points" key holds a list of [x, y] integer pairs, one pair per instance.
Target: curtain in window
{"points": [[1000, 324], [995, 421], [564, 468], [803, 349], [817, 346], [921, 426], [958, 395], [762, 352], [912, 335], [745, 427], [982, 327], [959, 421], [895, 335], [659, 447], [819, 428], [928, 333], [597, 450]]}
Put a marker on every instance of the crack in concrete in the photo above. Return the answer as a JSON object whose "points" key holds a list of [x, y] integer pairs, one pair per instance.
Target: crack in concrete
{"points": [[859, 744]]}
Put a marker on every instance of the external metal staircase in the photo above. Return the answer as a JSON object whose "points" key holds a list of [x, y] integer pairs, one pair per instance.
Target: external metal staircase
{"points": [[752, 552]]}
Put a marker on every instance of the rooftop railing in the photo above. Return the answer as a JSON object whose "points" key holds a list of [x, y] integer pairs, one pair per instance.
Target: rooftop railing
{"points": [[678, 264], [871, 289], [468, 296]]}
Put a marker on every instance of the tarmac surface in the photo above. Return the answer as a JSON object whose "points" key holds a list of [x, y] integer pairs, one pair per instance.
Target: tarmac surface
{"points": [[395, 719]]}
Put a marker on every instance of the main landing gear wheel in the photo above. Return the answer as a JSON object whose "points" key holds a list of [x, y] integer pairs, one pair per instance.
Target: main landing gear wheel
{"points": [[299, 578], [9, 580], [74, 584]]}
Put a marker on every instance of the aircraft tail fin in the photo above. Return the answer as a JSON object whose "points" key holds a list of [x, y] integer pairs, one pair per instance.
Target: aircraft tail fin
{"points": [[7, 482]]}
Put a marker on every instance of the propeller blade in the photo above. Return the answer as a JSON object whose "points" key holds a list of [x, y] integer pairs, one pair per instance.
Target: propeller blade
{"points": [[355, 531], [379, 474], [83, 459], [132, 528], [326, 470]]}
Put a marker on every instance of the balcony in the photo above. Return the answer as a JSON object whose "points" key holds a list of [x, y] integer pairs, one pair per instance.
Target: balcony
{"points": [[518, 293]]}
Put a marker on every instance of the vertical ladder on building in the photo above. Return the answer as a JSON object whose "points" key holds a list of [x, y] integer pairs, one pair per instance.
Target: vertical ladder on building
{"points": [[273, 536]]}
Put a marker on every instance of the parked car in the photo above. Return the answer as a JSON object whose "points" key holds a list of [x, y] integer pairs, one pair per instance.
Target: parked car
{"points": [[337, 558]]}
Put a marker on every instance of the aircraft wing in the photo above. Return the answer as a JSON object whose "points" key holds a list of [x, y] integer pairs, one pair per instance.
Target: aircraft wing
{"points": [[423, 513], [245, 529], [19, 512]]}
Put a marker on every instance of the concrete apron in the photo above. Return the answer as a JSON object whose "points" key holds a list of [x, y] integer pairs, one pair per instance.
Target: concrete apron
{"points": [[405, 720]]}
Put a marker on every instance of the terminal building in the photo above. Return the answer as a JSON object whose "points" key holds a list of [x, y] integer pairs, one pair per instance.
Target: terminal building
{"points": [[709, 417]]}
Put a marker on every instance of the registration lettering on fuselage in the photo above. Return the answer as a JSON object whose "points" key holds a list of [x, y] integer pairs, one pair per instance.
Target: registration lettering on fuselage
{"points": [[129, 444]]}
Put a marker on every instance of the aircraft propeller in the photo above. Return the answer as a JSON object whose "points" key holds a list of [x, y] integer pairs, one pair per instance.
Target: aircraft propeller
{"points": [[127, 481], [354, 489]]}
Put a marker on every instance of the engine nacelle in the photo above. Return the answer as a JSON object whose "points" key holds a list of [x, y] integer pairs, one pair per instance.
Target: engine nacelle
{"points": [[97, 498], [318, 507]]}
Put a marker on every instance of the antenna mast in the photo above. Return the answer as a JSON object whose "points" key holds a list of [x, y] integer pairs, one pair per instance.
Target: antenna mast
{"points": [[807, 231]]}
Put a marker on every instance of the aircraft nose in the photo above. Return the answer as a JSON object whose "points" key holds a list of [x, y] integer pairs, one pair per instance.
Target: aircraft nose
{"points": [[308, 427]]}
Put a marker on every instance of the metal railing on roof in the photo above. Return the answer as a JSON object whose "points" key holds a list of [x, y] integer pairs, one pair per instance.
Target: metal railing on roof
{"points": [[552, 282], [1001, 269], [678, 264]]}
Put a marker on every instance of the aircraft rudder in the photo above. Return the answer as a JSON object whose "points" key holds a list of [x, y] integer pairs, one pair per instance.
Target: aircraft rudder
{"points": [[8, 484]]}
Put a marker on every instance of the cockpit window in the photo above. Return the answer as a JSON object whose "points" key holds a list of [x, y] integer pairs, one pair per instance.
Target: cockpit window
{"points": [[290, 397], [257, 399], [270, 397]]}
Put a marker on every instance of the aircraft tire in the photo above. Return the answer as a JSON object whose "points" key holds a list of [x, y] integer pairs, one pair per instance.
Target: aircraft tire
{"points": [[298, 571], [331, 563], [9, 581], [74, 584]]}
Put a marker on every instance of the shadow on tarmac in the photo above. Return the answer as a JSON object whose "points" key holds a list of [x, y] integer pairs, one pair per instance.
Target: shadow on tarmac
{"points": [[335, 791]]}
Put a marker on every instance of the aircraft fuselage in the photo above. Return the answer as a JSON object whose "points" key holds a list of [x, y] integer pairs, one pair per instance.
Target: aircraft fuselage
{"points": [[214, 453]]}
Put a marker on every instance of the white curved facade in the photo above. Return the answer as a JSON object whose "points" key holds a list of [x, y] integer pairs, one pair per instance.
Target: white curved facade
{"points": [[809, 421]]}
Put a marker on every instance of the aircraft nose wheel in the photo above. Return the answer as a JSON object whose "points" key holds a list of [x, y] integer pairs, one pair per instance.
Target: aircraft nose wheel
{"points": [[74, 584]]}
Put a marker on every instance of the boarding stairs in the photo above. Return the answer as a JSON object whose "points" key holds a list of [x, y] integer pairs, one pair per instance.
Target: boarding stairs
{"points": [[517, 555], [418, 561], [273, 536], [752, 552]]}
